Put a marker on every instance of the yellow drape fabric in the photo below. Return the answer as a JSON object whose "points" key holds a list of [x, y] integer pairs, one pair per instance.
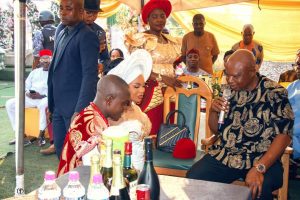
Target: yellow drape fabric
{"points": [[277, 25], [109, 7], [178, 5]]}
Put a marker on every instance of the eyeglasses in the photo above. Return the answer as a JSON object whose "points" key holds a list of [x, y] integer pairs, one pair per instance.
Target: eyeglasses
{"points": [[44, 59]]}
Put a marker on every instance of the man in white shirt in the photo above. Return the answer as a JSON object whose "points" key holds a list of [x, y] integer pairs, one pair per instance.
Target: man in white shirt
{"points": [[36, 90]]}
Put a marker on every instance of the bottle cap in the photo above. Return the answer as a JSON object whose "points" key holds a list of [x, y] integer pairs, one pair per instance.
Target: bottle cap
{"points": [[148, 140], [117, 151], [97, 178], [73, 176], [49, 176], [128, 148]]}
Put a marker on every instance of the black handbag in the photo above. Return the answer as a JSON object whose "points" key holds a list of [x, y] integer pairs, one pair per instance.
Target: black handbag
{"points": [[169, 134]]}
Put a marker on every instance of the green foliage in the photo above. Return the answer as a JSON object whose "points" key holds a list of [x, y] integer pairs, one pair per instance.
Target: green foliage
{"points": [[7, 23]]}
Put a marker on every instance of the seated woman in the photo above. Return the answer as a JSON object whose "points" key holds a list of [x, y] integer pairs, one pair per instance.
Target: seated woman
{"points": [[135, 70]]}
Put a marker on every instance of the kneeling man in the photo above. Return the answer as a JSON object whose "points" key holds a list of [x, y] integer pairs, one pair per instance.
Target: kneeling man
{"points": [[112, 99]]}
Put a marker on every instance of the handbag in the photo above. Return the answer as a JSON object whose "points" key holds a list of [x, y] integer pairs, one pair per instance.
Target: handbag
{"points": [[169, 134]]}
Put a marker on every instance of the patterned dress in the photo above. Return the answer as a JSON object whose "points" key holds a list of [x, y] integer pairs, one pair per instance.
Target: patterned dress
{"points": [[163, 56], [254, 119], [83, 135]]}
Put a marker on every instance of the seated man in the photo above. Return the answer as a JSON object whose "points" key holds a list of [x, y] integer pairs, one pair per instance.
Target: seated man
{"points": [[111, 100], [36, 94], [192, 64], [290, 75], [294, 97], [257, 128]]}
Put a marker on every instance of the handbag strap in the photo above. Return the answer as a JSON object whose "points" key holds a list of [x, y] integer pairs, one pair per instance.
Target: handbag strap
{"points": [[172, 113]]}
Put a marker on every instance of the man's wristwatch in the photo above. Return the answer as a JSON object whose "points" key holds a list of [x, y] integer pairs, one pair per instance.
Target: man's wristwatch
{"points": [[261, 168]]}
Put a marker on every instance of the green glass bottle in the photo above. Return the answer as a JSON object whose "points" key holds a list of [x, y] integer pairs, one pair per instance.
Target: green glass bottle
{"points": [[107, 170], [118, 189], [130, 174]]}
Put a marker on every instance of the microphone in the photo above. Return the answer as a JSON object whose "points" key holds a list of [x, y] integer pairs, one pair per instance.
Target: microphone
{"points": [[226, 95]]}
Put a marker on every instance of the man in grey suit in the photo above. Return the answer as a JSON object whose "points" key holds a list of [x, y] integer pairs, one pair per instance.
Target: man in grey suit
{"points": [[73, 71]]}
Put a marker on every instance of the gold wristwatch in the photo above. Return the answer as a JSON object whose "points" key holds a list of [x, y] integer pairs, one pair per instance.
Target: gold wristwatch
{"points": [[261, 168]]}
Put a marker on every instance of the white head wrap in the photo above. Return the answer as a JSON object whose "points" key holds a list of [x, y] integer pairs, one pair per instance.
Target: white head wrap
{"points": [[138, 63]]}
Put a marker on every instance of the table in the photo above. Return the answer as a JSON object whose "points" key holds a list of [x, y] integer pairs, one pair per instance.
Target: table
{"points": [[180, 188]]}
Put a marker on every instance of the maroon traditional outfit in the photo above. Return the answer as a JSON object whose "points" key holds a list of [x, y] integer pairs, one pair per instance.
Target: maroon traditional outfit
{"points": [[83, 135]]}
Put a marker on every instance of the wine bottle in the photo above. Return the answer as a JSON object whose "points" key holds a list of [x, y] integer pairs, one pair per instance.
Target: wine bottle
{"points": [[95, 166], [107, 170], [148, 175], [130, 174], [118, 189]]}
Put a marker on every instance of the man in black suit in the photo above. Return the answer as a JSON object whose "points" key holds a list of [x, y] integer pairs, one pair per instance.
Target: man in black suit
{"points": [[73, 71]]}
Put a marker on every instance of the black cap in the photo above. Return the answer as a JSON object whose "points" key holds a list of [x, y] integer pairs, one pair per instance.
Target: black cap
{"points": [[92, 5]]}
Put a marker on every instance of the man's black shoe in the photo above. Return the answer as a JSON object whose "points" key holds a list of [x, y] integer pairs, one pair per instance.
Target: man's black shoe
{"points": [[26, 142], [12, 142]]}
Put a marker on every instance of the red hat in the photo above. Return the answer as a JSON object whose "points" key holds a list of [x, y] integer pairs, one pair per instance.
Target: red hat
{"points": [[45, 52], [165, 5], [196, 51], [185, 148]]}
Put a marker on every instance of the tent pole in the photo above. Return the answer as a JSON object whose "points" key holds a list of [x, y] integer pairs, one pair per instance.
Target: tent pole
{"points": [[142, 4], [19, 49], [140, 26]]}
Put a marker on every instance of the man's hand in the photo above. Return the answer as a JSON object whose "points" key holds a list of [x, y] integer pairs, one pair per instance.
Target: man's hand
{"points": [[35, 95], [172, 82], [254, 181], [219, 104]]}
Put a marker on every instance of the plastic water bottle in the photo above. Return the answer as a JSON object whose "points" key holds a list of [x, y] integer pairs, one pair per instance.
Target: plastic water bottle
{"points": [[97, 190], [49, 190], [74, 190]]}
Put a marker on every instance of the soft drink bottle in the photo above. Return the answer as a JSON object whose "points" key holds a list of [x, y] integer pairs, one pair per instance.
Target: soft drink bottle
{"points": [[97, 190], [49, 190], [74, 190]]}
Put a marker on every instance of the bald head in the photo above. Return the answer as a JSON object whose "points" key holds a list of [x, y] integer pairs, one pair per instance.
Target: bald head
{"points": [[112, 96], [240, 70], [111, 85], [243, 56]]}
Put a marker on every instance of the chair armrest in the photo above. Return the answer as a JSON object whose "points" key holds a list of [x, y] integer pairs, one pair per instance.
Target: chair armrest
{"points": [[154, 139], [207, 142]]}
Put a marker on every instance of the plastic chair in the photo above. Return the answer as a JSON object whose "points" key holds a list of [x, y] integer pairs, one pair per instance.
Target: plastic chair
{"points": [[187, 101]]}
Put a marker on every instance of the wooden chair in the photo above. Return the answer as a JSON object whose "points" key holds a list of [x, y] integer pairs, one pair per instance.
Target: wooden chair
{"points": [[187, 101], [281, 193]]}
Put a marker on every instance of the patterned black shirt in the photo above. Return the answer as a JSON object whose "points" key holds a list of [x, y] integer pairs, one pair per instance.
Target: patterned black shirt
{"points": [[253, 121]]}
